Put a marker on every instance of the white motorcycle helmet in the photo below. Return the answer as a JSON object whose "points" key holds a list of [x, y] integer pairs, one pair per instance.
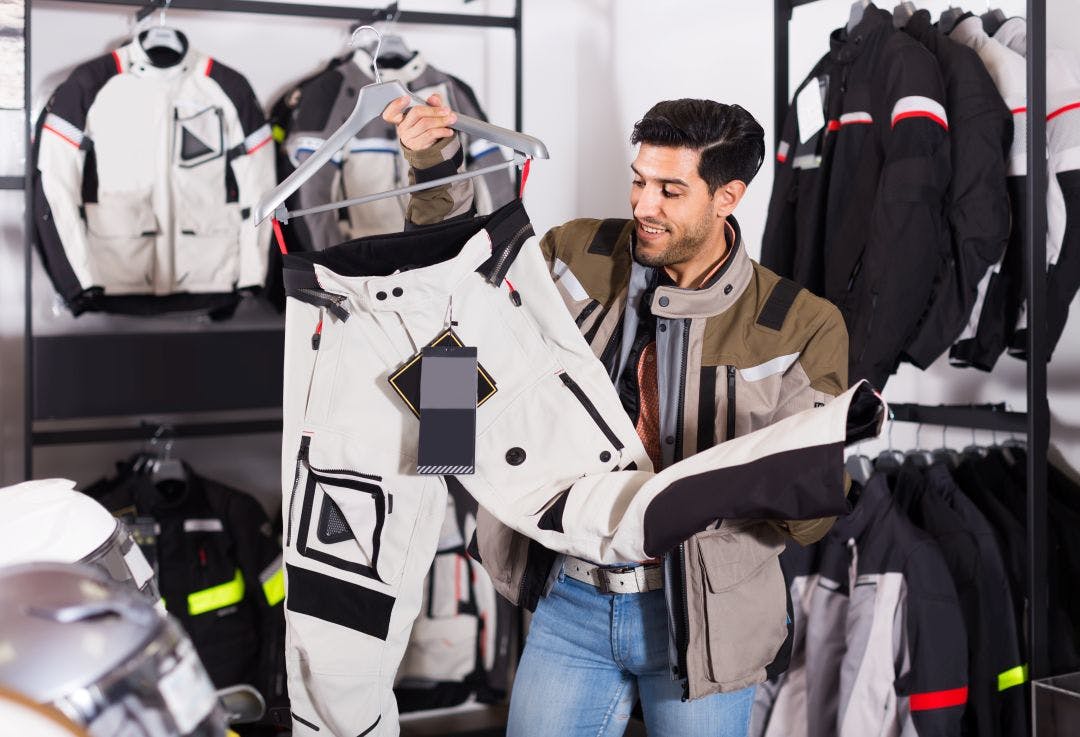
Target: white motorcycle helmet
{"points": [[102, 655], [50, 521]]}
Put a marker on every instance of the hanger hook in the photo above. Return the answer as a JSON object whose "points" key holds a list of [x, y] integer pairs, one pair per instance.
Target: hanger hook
{"points": [[164, 10], [918, 434], [378, 47], [944, 428], [892, 423]]}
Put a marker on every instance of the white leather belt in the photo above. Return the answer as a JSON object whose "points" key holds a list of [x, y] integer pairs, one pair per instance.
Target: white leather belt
{"points": [[618, 580]]}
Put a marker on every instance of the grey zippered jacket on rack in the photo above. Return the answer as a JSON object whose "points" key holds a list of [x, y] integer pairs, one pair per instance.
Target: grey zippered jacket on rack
{"points": [[372, 160], [745, 351]]}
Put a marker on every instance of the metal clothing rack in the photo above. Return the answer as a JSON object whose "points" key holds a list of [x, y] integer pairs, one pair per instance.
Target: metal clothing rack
{"points": [[1036, 421], [87, 377]]}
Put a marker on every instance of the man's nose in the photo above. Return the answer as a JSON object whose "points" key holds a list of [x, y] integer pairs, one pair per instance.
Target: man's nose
{"points": [[648, 205]]}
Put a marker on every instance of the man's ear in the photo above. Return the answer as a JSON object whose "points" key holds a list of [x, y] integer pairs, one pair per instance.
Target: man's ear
{"points": [[728, 196]]}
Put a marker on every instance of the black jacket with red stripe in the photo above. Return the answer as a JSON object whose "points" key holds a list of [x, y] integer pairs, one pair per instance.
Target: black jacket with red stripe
{"points": [[977, 209], [932, 500], [881, 643], [857, 207]]}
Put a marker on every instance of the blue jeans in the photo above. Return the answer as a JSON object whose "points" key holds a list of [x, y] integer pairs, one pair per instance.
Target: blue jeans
{"points": [[590, 655]]}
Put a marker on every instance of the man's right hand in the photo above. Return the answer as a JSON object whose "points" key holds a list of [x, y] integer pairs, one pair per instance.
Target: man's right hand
{"points": [[422, 126]]}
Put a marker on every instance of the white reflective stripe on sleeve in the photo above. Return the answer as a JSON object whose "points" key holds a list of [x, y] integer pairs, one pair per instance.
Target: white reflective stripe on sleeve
{"points": [[782, 151], [376, 145], [563, 275], [64, 129], [917, 106], [853, 118], [258, 138], [203, 525], [806, 161], [271, 570], [295, 146], [778, 365]]}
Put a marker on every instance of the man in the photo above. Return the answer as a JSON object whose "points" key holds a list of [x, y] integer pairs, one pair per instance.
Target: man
{"points": [[703, 345]]}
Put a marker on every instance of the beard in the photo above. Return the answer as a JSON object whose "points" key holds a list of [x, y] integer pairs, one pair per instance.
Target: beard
{"points": [[683, 249]]}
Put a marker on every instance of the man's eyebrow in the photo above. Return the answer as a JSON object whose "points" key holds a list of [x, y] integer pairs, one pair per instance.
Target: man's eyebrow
{"points": [[679, 182]]}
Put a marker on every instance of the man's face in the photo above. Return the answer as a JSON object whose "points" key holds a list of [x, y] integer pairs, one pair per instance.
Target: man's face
{"points": [[675, 215]]}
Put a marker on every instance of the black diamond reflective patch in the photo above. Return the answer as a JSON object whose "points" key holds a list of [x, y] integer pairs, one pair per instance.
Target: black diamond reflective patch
{"points": [[191, 146], [333, 527]]}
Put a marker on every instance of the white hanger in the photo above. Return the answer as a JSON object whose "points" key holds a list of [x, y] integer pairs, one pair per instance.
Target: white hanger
{"points": [[370, 103], [857, 9], [162, 36]]}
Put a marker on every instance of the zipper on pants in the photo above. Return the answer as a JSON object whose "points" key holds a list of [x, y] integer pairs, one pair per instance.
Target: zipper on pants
{"points": [[301, 460]]}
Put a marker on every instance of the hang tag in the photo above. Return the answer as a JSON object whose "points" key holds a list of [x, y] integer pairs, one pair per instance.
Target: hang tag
{"points": [[406, 380], [810, 108], [447, 410]]}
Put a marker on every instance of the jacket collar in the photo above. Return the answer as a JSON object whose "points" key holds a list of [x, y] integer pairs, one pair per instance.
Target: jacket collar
{"points": [[919, 26], [1013, 33], [845, 47], [724, 288], [412, 69], [970, 32], [874, 503], [132, 58]]}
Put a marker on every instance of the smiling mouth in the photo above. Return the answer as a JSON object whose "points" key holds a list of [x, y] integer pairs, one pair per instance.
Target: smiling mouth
{"points": [[651, 230]]}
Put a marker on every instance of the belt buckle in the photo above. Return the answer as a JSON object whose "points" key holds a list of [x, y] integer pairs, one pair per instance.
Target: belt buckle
{"points": [[605, 574]]}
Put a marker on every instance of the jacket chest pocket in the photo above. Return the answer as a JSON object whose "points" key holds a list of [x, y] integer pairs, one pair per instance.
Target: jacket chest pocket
{"points": [[207, 223], [341, 522], [745, 600]]}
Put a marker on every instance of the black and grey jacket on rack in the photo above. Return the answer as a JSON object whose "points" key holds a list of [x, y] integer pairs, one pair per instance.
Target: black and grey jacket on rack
{"points": [[743, 352], [372, 161], [1063, 194], [856, 214], [884, 649], [147, 165], [1000, 293]]}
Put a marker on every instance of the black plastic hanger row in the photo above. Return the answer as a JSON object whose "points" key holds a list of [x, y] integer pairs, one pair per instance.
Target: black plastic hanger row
{"points": [[991, 19]]}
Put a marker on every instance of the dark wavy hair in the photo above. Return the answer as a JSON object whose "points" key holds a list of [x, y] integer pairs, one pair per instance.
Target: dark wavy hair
{"points": [[731, 141]]}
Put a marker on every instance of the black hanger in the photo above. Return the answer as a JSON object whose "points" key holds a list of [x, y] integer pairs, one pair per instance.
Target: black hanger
{"points": [[902, 13], [992, 20]]}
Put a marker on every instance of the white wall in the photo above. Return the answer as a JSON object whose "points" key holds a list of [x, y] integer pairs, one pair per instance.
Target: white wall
{"points": [[592, 68]]}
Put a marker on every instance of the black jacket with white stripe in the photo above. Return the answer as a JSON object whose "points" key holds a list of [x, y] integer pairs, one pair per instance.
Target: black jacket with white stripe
{"points": [[857, 207]]}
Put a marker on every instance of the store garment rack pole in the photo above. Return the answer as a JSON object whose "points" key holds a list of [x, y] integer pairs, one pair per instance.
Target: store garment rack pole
{"points": [[62, 347], [1038, 411], [1038, 404]]}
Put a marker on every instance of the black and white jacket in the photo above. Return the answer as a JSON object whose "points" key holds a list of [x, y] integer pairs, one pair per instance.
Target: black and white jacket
{"points": [[147, 166]]}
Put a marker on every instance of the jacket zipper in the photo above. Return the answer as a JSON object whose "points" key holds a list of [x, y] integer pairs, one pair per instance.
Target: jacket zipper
{"points": [[510, 248], [683, 635], [730, 403], [591, 409], [684, 603], [301, 458]]}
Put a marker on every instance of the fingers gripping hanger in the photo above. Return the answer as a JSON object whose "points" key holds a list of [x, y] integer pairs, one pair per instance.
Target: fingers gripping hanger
{"points": [[370, 104]]}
